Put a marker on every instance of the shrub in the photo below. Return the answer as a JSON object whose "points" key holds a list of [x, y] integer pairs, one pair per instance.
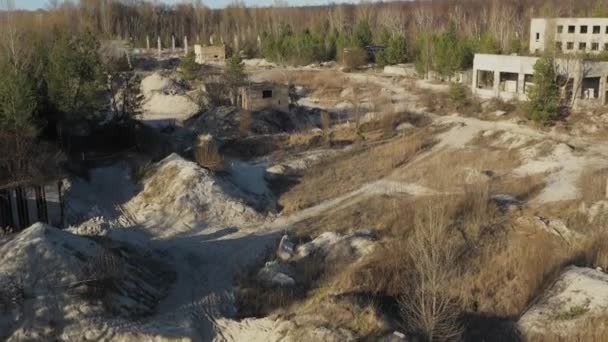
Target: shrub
{"points": [[544, 94], [245, 121], [208, 156], [101, 273], [458, 95], [354, 57], [188, 66]]}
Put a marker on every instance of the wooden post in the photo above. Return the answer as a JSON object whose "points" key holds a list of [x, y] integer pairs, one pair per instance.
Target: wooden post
{"points": [[41, 204], [6, 212], [185, 45], [159, 46], [173, 43], [147, 42], [61, 205], [22, 210]]}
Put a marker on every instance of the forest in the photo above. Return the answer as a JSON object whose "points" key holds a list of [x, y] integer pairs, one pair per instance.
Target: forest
{"points": [[52, 73]]}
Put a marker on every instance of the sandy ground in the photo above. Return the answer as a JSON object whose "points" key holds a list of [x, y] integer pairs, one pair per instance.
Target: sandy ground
{"points": [[166, 213]]}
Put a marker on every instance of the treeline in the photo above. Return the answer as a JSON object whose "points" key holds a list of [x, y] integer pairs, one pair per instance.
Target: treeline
{"points": [[302, 35], [51, 85]]}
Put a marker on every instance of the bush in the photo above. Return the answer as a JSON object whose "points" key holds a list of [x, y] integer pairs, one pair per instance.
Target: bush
{"points": [[208, 156], [353, 57], [458, 95], [544, 94], [188, 66], [245, 121]]}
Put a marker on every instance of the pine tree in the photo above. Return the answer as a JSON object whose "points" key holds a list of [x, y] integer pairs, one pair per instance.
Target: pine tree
{"points": [[75, 76], [544, 94], [188, 66], [235, 75]]}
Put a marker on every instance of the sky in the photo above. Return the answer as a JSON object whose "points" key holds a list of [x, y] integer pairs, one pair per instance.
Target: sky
{"points": [[35, 4]]}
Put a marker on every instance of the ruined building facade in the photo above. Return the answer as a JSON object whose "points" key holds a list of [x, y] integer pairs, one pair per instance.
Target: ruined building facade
{"points": [[583, 82], [206, 54], [261, 96], [569, 35]]}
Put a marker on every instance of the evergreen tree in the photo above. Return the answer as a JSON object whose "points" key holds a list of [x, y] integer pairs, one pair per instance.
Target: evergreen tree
{"points": [[544, 94], [74, 76], [188, 66], [235, 75], [395, 51], [488, 44], [363, 34]]}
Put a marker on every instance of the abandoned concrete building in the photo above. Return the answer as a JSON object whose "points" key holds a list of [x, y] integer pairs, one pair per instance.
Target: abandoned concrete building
{"points": [[213, 53], [583, 82], [569, 35], [261, 96]]}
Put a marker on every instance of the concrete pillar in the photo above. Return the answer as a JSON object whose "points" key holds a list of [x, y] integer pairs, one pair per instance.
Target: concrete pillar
{"points": [[521, 81], [147, 42], [172, 43], [602, 90], [159, 46], [496, 86], [474, 82], [185, 45]]}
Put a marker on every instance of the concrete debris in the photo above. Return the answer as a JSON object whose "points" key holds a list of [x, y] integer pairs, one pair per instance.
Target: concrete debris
{"points": [[578, 295], [286, 248], [405, 126], [276, 274], [335, 246]]}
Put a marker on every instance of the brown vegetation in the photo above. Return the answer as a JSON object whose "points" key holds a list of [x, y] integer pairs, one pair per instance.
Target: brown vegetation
{"points": [[345, 173], [208, 156]]}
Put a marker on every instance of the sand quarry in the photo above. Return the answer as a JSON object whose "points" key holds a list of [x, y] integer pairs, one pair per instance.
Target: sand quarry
{"points": [[180, 243]]}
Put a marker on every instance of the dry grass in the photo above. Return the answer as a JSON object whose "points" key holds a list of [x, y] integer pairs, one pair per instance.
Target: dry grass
{"points": [[208, 156], [591, 330], [245, 121], [512, 271], [448, 171], [593, 185], [346, 173]]}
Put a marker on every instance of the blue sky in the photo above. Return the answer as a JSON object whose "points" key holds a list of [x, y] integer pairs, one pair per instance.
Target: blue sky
{"points": [[35, 4]]}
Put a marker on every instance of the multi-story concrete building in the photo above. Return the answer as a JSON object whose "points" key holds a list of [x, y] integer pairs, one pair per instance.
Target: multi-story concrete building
{"points": [[583, 83], [569, 35]]}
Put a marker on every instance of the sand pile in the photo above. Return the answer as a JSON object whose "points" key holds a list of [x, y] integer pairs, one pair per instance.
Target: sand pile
{"points": [[60, 283], [165, 100], [180, 190]]}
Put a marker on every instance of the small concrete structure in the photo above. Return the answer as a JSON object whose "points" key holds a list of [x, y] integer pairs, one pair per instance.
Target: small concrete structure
{"points": [[260, 96], [506, 77], [214, 53], [569, 35]]}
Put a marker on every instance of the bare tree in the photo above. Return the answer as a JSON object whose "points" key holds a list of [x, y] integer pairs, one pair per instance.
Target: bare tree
{"points": [[427, 306]]}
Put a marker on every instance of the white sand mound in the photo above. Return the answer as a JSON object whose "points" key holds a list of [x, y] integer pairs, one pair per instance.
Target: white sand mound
{"points": [[180, 190], [578, 295], [564, 168], [63, 283], [165, 101], [41, 248], [154, 83]]}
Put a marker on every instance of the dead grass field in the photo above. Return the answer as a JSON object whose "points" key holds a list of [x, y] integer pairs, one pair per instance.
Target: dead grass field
{"points": [[345, 173]]}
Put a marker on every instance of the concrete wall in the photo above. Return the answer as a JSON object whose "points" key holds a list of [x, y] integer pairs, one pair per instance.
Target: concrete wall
{"points": [[512, 78], [545, 33], [252, 98], [206, 54]]}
